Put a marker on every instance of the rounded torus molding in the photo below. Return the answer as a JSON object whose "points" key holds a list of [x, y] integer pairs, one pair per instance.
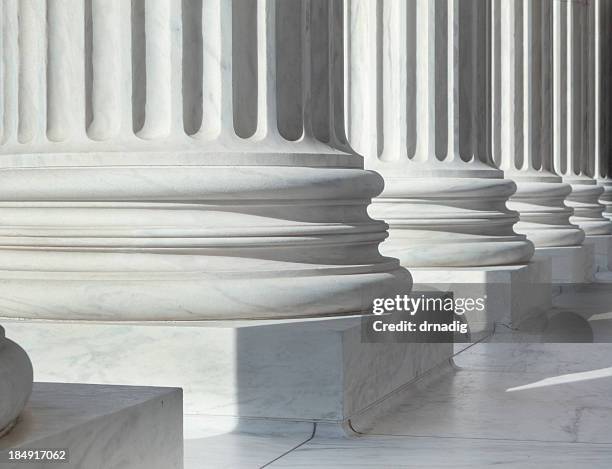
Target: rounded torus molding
{"points": [[450, 222], [584, 199], [606, 199], [191, 242], [544, 217], [15, 382]]}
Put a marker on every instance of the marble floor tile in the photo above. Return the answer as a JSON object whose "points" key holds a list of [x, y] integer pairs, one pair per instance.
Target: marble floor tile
{"points": [[224, 443], [536, 358], [507, 405], [386, 452]]}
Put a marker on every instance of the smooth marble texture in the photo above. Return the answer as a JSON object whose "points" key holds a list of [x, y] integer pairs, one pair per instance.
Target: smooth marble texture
{"points": [[543, 215], [606, 197], [551, 358], [588, 212], [315, 369], [444, 199], [481, 404], [144, 190], [456, 453], [570, 264], [15, 382], [602, 250], [522, 136], [516, 405], [512, 293], [103, 427], [228, 443]]}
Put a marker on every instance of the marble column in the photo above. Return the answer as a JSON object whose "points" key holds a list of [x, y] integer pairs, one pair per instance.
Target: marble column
{"points": [[15, 382], [522, 120], [573, 151], [159, 162], [419, 92], [601, 106]]}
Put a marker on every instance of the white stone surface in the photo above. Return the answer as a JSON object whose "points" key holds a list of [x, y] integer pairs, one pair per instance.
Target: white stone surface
{"points": [[418, 453], [577, 151], [230, 443], [584, 199], [544, 216], [471, 421], [148, 190], [523, 142], [423, 126], [513, 293], [570, 264], [552, 359], [494, 405], [15, 382], [602, 250], [293, 369], [102, 427], [606, 199]]}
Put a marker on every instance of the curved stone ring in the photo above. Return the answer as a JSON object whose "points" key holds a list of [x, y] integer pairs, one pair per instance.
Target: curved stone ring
{"points": [[16, 378]]}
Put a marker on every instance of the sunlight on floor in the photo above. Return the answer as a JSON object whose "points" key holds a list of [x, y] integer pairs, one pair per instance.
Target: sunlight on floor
{"points": [[563, 379]]}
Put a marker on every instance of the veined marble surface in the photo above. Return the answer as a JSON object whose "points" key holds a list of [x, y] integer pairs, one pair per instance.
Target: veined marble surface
{"points": [[15, 382], [572, 407], [103, 427], [397, 452], [228, 442], [474, 417]]}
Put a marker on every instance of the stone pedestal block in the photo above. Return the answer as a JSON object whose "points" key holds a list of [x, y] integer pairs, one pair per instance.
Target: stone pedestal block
{"points": [[512, 293], [602, 251], [100, 427], [291, 369], [570, 264]]}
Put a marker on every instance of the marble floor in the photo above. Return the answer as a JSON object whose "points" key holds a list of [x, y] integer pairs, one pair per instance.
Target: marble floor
{"points": [[506, 403]]}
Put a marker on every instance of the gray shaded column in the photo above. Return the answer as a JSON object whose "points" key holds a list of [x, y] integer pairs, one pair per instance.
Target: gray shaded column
{"points": [[523, 120], [419, 91]]}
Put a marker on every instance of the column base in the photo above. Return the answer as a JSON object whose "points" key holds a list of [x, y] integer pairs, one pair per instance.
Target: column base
{"points": [[7, 428], [450, 222], [544, 217], [602, 251], [316, 370], [570, 264], [139, 428], [584, 199], [513, 292], [15, 382]]}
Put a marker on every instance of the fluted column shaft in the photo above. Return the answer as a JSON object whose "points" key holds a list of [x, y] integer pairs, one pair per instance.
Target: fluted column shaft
{"points": [[602, 100], [522, 120], [418, 110], [162, 160], [574, 150]]}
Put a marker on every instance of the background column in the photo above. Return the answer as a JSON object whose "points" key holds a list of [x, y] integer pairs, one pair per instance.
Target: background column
{"points": [[418, 111], [574, 156], [523, 120], [156, 142]]}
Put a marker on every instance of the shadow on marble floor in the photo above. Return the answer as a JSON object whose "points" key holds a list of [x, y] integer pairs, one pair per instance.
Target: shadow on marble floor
{"points": [[507, 403]]}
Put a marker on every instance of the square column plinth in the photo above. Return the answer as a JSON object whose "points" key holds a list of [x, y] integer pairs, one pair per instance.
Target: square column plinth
{"points": [[602, 251], [99, 427], [513, 293], [570, 264], [308, 369]]}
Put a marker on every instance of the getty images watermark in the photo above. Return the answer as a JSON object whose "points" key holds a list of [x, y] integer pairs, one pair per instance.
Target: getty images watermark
{"points": [[426, 316]]}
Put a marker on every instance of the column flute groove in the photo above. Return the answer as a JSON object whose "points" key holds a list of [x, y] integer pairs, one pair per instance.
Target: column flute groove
{"points": [[444, 200], [524, 89], [119, 213], [576, 163]]}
